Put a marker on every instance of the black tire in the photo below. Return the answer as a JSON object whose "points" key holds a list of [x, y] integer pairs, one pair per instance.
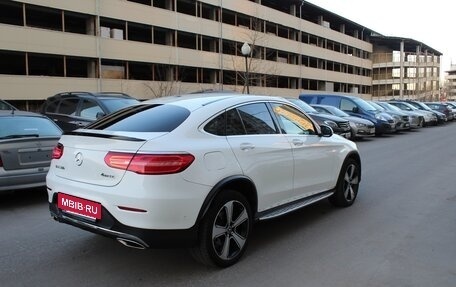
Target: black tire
{"points": [[347, 184], [229, 216]]}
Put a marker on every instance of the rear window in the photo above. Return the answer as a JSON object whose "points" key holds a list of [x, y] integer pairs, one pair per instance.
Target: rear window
{"points": [[143, 118], [18, 126]]}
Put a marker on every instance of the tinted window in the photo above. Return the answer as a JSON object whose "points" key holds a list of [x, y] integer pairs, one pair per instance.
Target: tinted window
{"points": [[32, 126], [347, 105], [228, 123], [115, 104], [143, 118], [217, 126], [257, 119], [234, 125], [51, 106], [331, 101], [90, 109], [363, 104], [292, 121], [68, 106]]}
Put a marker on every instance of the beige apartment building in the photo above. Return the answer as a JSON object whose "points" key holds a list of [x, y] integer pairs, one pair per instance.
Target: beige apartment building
{"points": [[152, 48], [404, 69], [450, 83]]}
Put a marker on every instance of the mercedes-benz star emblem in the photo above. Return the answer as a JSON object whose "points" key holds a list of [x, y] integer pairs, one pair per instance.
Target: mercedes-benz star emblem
{"points": [[78, 158]]}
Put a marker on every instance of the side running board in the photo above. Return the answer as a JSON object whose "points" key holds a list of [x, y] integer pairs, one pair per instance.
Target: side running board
{"points": [[290, 207]]}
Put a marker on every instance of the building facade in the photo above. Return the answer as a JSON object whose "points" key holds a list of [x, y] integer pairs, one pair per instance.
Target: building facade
{"points": [[450, 84], [404, 69], [153, 48]]}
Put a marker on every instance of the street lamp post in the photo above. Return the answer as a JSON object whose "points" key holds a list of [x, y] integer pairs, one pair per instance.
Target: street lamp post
{"points": [[245, 50]]}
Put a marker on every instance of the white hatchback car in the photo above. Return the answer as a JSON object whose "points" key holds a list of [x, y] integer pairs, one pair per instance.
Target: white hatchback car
{"points": [[198, 171]]}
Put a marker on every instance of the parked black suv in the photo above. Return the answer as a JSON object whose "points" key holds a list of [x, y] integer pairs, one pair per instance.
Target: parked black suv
{"points": [[72, 110], [339, 125]]}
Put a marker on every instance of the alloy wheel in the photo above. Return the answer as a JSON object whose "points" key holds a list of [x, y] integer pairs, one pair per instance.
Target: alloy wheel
{"points": [[230, 230]]}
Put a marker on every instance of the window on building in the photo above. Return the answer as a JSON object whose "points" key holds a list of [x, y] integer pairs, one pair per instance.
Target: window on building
{"points": [[79, 23], [43, 17], [140, 71], [396, 73], [112, 69], [139, 32], [186, 40], [11, 13], [80, 67], [13, 63], [45, 65], [186, 7], [208, 12]]}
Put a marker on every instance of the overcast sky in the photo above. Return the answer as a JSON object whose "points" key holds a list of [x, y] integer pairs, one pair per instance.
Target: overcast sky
{"points": [[430, 22]]}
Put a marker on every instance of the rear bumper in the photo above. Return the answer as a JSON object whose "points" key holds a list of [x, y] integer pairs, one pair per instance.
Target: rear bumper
{"points": [[22, 181], [137, 237]]}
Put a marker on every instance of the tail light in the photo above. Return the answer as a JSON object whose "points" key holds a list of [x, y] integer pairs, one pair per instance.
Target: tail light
{"points": [[57, 152], [149, 163]]}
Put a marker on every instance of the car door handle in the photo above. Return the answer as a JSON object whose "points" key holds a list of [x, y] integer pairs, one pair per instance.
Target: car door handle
{"points": [[297, 142], [247, 146]]}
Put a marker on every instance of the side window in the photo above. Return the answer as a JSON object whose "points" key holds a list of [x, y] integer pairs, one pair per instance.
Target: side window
{"points": [[90, 109], [217, 126], [293, 121], [257, 119], [68, 107], [347, 105], [322, 110], [51, 106], [331, 101], [234, 124]]}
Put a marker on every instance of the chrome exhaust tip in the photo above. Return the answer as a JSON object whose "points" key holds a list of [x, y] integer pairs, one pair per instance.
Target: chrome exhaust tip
{"points": [[131, 243]]}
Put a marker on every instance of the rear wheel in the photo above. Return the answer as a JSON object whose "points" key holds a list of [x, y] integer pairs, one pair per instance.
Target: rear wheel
{"points": [[225, 230], [347, 184]]}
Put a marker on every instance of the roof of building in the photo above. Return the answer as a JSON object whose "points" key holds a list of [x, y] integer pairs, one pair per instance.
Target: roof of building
{"points": [[409, 44]]}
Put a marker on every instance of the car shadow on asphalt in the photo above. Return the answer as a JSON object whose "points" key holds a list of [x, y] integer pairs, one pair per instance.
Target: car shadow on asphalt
{"points": [[21, 198]]}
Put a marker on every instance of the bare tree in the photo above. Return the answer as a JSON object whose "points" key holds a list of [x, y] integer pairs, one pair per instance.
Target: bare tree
{"points": [[261, 71], [165, 81]]}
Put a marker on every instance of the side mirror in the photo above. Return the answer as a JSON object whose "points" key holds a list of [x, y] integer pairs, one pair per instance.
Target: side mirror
{"points": [[355, 110], [100, 115], [326, 131]]}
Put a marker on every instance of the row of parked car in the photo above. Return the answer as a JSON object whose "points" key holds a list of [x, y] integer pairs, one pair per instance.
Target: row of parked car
{"points": [[196, 170], [348, 116], [381, 116]]}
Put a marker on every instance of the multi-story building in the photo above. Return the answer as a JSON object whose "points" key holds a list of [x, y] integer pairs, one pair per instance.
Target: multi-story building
{"points": [[151, 48], [404, 68], [450, 83]]}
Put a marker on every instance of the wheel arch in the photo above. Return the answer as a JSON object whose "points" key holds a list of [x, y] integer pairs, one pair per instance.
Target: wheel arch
{"points": [[241, 183]]}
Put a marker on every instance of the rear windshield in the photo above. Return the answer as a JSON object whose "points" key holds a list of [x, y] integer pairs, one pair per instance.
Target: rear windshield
{"points": [[115, 104], [19, 126], [143, 118]]}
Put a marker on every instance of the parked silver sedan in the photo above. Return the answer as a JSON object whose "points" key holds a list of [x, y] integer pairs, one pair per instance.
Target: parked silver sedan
{"points": [[26, 144], [359, 127]]}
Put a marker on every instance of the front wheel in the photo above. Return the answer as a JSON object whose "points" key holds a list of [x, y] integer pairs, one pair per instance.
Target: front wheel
{"points": [[225, 230], [347, 184]]}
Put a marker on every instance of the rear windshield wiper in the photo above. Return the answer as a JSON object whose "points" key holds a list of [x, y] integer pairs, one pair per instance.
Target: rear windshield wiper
{"points": [[21, 136]]}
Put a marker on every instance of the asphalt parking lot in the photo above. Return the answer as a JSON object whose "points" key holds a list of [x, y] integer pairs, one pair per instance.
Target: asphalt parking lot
{"points": [[400, 232]]}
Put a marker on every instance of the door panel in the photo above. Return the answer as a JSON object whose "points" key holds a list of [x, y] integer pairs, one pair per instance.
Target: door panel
{"points": [[263, 153]]}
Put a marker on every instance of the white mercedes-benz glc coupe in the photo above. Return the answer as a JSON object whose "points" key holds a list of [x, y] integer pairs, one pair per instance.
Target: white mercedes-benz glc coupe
{"points": [[198, 171]]}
